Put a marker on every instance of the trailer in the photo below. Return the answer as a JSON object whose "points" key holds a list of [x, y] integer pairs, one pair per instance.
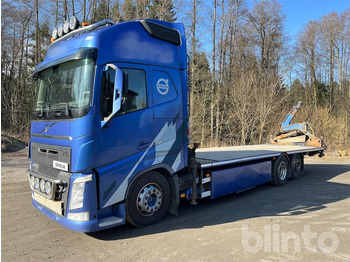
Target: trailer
{"points": [[233, 169], [110, 131]]}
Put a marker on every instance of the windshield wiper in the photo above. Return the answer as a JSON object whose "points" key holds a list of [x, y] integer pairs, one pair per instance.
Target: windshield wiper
{"points": [[58, 114]]}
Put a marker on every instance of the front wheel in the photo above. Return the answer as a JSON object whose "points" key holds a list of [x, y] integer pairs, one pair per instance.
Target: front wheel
{"points": [[280, 171], [148, 200]]}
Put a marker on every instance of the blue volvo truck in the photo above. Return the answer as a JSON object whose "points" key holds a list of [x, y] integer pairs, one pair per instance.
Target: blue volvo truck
{"points": [[110, 131]]}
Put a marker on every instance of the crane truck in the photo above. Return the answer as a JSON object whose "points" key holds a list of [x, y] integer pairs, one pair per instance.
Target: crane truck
{"points": [[110, 131]]}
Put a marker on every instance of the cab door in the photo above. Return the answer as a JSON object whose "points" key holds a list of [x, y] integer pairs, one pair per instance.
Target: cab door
{"points": [[129, 132]]}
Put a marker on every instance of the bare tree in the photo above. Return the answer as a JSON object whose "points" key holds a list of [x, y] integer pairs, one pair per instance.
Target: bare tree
{"points": [[266, 30], [213, 89], [308, 53]]}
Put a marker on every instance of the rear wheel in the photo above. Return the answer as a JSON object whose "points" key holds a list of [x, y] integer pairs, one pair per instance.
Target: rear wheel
{"points": [[296, 166], [148, 200], [280, 171]]}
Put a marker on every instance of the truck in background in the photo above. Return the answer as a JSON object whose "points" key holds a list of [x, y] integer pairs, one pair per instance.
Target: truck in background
{"points": [[110, 132]]}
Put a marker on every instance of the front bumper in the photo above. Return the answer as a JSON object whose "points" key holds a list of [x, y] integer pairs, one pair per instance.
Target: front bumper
{"points": [[85, 226], [87, 218]]}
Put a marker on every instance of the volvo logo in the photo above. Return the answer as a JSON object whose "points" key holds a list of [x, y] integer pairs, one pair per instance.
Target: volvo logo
{"points": [[163, 86]]}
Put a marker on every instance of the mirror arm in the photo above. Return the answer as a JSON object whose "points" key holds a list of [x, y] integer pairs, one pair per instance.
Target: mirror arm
{"points": [[118, 95], [41, 114]]}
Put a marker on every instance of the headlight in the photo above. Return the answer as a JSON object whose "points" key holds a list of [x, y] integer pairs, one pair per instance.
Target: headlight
{"points": [[36, 183], [42, 185], [66, 27], [48, 188], [73, 23], [54, 34], [60, 31], [32, 181], [77, 192]]}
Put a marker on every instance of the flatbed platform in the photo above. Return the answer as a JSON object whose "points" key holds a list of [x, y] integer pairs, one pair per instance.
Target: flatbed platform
{"points": [[219, 156]]}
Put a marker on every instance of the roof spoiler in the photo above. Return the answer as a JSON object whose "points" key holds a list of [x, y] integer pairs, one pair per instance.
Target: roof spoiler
{"points": [[162, 32]]}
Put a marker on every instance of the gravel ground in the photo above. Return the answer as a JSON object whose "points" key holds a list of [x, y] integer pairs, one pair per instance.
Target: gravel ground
{"points": [[305, 220]]}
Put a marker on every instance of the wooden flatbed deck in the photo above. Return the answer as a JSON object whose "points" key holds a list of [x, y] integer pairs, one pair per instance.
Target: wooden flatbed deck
{"points": [[219, 156]]}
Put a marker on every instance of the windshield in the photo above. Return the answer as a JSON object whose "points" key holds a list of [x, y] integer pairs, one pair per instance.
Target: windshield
{"points": [[67, 85]]}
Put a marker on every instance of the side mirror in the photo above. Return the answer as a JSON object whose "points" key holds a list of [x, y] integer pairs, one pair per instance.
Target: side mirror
{"points": [[118, 95]]}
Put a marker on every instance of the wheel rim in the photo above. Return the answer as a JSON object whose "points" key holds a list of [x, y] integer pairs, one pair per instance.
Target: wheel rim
{"points": [[149, 199], [282, 170]]}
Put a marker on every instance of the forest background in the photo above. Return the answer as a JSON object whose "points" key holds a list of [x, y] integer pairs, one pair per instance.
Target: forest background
{"points": [[246, 71]]}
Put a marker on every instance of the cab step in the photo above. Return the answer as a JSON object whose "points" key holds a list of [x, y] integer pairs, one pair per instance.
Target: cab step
{"points": [[108, 221]]}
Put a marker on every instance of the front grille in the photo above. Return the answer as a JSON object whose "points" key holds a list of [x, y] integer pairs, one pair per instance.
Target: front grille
{"points": [[48, 171], [45, 155]]}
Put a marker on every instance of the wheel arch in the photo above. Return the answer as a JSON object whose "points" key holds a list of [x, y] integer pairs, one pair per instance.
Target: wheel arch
{"points": [[172, 180]]}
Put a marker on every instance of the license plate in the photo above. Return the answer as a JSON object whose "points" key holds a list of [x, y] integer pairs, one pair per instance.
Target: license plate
{"points": [[60, 165], [55, 206]]}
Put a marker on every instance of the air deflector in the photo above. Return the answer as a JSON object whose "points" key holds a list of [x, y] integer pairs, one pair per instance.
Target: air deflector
{"points": [[162, 32]]}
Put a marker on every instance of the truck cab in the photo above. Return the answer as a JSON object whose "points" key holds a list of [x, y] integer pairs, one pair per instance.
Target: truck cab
{"points": [[109, 126]]}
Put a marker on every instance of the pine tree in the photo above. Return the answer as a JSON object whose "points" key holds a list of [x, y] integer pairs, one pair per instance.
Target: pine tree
{"points": [[143, 9], [129, 10], [102, 11], [115, 12], [163, 10]]}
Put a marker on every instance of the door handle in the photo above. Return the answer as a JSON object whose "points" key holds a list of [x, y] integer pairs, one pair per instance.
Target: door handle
{"points": [[143, 144]]}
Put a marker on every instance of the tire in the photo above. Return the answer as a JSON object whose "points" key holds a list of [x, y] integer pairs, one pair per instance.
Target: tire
{"points": [[148, 200], [296, 166], [280, 171]]}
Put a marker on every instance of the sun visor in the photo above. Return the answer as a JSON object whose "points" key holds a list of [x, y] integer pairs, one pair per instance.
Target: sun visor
{"points": [[79, 47], [82, 53]]}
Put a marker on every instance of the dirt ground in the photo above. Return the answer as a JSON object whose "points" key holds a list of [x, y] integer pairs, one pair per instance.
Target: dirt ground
{"points": [[305, 220]]}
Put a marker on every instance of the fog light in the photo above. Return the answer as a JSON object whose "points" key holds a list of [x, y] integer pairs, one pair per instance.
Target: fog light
{"points": [[83, 216], [36, 183], [48, 188], [42, 185]]}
